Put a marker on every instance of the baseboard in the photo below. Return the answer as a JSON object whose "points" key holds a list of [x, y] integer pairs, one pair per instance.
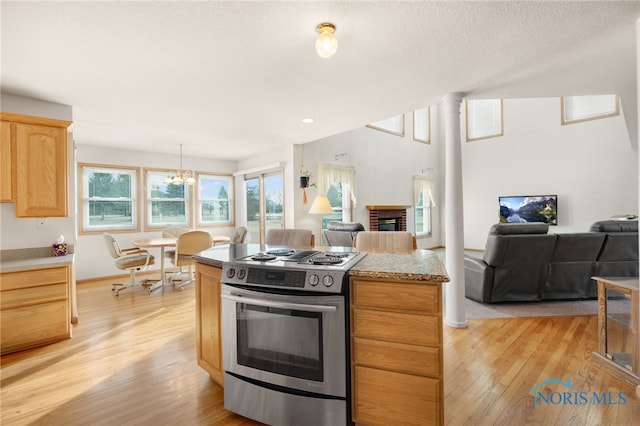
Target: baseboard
{"points": [[118, 277]]}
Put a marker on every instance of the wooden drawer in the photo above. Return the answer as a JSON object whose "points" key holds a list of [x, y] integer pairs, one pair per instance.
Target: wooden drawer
{"points": [[33, 278], [422, 298], [32, 295], [34, 325], [389, 398], [400, 357], [397, 327]]}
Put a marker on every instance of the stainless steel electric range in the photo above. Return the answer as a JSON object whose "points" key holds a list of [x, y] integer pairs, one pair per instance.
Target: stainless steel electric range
{"points": [[285, 336]]}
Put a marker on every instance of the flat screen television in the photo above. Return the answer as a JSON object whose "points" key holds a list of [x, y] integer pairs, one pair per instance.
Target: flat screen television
{"points": [[529, 208]]}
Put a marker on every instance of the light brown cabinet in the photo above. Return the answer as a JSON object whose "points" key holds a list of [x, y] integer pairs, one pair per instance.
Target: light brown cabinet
{"points": [[619, 328], [38, 149], [7, 169], [35, 308], [396, 352], [208, 320]]}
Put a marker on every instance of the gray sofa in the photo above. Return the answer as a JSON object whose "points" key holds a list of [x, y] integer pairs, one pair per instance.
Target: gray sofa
{"points": [[342, 234], [522, 262]]}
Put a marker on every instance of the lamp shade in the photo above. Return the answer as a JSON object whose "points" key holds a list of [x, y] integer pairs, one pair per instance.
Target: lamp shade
{"points": [[321, 205], [326, 43]]}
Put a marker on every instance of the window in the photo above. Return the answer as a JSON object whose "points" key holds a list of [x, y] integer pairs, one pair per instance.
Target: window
{"points": [[167, 204], [340, 205], [484, 119], [576, 109], [393, 125], [338, 182], [422, 125], [423, 201], [108, 198], [215, 205], [265, 207]]}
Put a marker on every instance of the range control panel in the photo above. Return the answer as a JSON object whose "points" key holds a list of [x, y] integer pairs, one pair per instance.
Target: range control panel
{"points": [[326, 281]]}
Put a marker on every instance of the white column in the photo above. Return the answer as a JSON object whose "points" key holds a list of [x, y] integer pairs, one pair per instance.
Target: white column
{"points": [[638, 134], [454, 222]]}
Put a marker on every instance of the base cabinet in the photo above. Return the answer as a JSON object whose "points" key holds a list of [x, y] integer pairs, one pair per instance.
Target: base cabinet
{"points": [[396, 352], [208, 323], [386, 397], [35, 308]]}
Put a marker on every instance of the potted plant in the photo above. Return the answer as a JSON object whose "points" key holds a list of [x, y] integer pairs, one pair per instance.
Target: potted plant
{"points": [[305, 177]]}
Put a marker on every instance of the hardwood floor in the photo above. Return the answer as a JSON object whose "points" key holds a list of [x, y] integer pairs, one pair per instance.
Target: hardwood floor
{"points": [[132, 361]]}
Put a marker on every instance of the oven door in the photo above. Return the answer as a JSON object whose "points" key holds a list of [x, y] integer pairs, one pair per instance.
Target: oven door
{"points": [[294, 341]]}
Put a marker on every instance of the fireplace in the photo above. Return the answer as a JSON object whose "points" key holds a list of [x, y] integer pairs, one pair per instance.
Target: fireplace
{"points": [[388, 218]]}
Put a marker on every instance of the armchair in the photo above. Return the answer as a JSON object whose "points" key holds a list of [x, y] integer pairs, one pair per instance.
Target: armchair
{"points": [[130, 259]]}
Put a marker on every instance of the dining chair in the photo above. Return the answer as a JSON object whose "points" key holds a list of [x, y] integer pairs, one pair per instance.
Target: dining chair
{"points": [[385, 240], [189, 244], [292, 238], [173, 232], [130, 259], [240, 236]]}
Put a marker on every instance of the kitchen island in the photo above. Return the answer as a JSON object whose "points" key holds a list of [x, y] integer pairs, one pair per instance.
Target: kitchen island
{"points": [[395, 331]]}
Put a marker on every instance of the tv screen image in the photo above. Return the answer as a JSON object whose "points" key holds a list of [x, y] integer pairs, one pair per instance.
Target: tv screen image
{"points": [[529, 208]]}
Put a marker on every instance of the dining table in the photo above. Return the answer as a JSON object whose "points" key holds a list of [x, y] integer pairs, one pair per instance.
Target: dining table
{"points": [[160, 243]]}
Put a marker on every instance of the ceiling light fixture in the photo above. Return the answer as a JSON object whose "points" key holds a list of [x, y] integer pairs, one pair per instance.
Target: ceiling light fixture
{"points": [[181, 177], [326, 43], [308, 120]]}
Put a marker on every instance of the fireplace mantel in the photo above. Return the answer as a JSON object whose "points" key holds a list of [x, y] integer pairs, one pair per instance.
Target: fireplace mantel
{"points": [[382, 207]]}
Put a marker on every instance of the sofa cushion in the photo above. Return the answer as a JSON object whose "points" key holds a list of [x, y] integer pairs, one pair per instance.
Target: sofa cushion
{"points": [[614, 226], [578, 247], [620, 246], [518, 228]]}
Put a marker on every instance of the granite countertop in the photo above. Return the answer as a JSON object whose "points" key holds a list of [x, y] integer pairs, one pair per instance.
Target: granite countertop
{"points": [[33, 258], [416, 265]]}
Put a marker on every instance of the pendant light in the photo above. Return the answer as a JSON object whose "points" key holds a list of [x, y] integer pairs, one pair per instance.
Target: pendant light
{"points": [[180, 177]]}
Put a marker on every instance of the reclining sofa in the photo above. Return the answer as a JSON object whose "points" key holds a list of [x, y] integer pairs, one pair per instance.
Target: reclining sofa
{"points": [[522, 262], [342, 234]]}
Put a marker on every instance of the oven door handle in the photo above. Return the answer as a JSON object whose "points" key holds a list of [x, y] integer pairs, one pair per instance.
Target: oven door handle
{"points": [[281, 305]]}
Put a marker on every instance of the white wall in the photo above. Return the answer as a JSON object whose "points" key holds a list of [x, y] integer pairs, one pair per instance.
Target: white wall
{"points": [[385, 165], [591, 166], [23, 232], [92, 257]]}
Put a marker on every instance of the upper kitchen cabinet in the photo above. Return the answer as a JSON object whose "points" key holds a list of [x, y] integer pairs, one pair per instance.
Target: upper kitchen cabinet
{"points": [[40, 164], [7, 171]]}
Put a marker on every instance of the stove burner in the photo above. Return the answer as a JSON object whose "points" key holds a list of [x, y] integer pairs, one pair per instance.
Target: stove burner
{"points": [[281, 251], [338, 254], [263, 256], [325, 260]]}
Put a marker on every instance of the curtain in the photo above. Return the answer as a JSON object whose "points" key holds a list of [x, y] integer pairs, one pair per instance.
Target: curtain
{"points": [[328, 174], [424, 185]]}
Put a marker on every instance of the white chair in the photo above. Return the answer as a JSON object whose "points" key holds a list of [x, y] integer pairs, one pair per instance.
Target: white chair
{"points": [[240, 235], [385, 240], [188, 244], [292, 238], [130, 259]]}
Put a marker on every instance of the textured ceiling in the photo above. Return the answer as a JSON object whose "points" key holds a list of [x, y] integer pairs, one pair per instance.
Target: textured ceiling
{"points": [[230, 80]]}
